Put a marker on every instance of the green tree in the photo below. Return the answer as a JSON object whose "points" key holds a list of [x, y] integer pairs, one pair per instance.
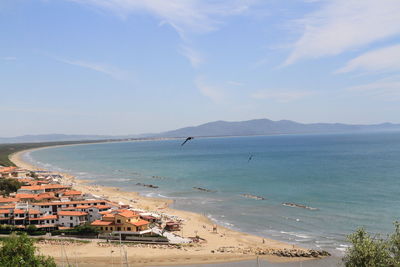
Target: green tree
{"points": [[367, 251], [8, 186], [19, 251], [394, 244]]}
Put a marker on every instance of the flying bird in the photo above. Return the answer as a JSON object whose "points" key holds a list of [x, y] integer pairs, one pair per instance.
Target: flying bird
{"points": [[187, 139], [250, 158]]}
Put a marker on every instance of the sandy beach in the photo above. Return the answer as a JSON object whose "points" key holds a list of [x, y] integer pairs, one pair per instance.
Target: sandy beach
{"points": [[224, 246]]}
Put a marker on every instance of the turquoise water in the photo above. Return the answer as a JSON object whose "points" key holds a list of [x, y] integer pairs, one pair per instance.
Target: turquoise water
{"points": [[351, 179]]}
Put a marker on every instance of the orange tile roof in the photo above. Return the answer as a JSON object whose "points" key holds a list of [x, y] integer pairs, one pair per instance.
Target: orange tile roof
{"points": [[8, 199], [140, 223], [69, 202], [48, 217], [43, 187], [71, 213], [7, 169], [33, 212], [101, 223], [103, 207], [17, 211], [11, 206], [4, 211], [72, 193], [83, 207], [127, 213], [25, 196]]}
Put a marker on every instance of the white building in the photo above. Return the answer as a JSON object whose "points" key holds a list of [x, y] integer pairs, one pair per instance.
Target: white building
{"points": [[72, 218]]}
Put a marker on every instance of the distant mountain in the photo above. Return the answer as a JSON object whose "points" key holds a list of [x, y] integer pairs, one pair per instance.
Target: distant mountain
{"points": [[222, 128], [269, 127]]}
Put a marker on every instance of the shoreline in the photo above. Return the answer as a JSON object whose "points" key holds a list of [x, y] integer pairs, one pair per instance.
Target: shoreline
{"points": [[240, 245]]}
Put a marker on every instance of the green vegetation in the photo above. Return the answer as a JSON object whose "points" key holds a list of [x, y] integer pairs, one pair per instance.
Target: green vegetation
{"points": [[30, 230], [81, 230], [373, 251], [19, 251], [8, 186]]}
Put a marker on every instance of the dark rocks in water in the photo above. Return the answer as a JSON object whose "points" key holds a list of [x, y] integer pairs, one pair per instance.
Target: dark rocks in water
{"points": [[147, 185], [291, 253], [294, 205], [203, 189], [252, 196]]}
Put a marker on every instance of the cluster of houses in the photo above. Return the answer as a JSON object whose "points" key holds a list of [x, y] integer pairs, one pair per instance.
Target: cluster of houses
{"points": [[44, 202]]}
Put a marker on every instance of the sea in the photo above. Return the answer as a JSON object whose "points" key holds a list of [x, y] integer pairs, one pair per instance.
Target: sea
{"points": [[343, 181]]}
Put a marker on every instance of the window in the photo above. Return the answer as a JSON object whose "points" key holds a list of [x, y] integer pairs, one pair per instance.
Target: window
{"points": [[106, 228], [118, 228], [118, 221], [70, 218], [129, 229], [101, 228]]}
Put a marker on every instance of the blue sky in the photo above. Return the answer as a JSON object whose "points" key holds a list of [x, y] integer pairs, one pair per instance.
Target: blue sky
{"points": [[136, 66]]}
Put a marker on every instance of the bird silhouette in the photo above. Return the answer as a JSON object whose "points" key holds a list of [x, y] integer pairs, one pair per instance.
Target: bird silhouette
{"points": [[250, 158], [187, 139]]}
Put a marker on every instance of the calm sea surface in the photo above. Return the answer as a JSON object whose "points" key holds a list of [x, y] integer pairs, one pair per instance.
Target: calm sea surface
{"points": [[352, 180]]}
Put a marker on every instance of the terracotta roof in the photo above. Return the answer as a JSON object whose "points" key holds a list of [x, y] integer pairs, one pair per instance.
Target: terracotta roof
{"points": [[101, 223], [34, 211], [47, 186], [48, 217], [7, 169], [109, 215], [8, 199], [103, 207], [4, 211], [71, 213], [72, 193], [140, 223], [69, 202], [17, 211], [83, 207], [127, 213], [11, 206], [25, 196]]}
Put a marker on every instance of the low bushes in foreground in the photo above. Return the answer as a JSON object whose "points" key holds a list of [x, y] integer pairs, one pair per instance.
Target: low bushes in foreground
{"points": [[19, 251], [373, 251]]}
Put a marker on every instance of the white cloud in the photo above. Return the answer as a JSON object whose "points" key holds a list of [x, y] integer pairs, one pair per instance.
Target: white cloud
{"points": [[387, 89], [215, 93], [182, 15], [112, 71], [342, 25], [194, 57], [9, 58], [281, 96], [384, 59]]}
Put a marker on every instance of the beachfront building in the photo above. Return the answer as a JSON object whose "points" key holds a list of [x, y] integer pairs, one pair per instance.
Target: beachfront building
{"points": [[72, 218], [121, 221], [94, 212], [38, 189], [56, 206]]}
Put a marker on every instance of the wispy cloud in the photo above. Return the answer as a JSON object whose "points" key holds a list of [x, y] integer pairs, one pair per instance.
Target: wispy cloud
{"points": [[282, 96], [343, 25], [382, 60], [387, 89], [109, 70], [215, 93], [195, 57], [183, 15], [9, 58]]}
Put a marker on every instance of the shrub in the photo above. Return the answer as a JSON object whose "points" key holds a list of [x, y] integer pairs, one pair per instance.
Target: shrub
{"points": [[19, 251]]}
